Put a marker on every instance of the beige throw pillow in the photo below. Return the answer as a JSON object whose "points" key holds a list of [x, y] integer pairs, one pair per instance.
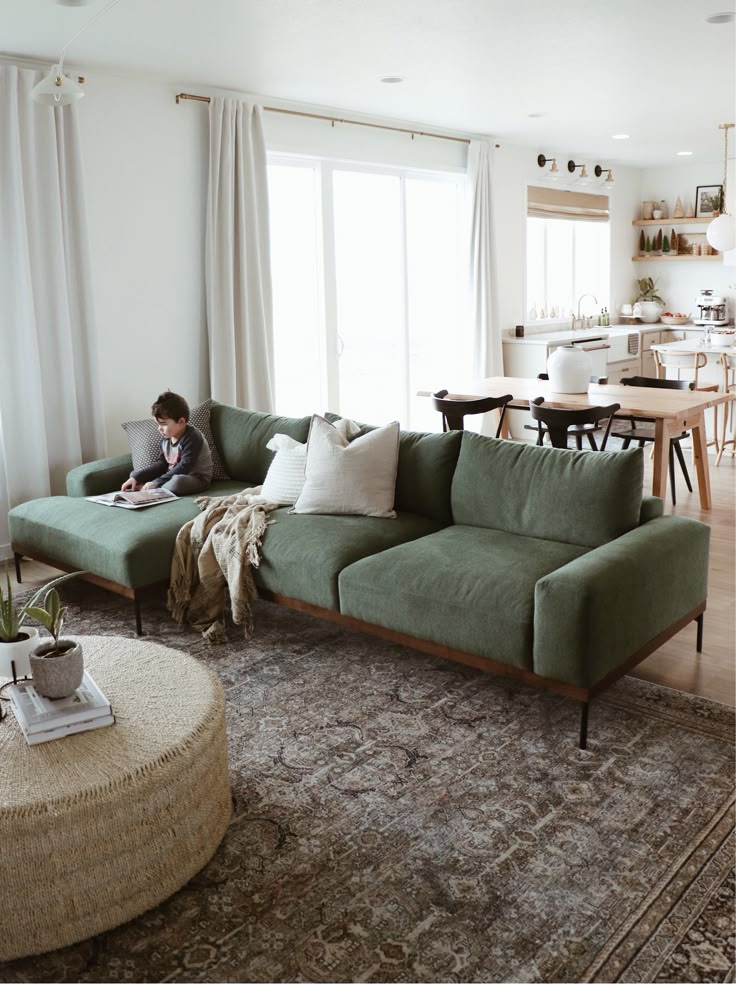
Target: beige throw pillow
{"points": [[343, 478]]}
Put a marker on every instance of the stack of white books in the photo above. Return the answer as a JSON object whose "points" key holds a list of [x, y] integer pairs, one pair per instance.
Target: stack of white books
{"points": [[42, 719]]}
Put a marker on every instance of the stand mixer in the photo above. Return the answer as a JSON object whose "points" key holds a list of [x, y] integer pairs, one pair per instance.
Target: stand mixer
{"points": [[712, 309]]}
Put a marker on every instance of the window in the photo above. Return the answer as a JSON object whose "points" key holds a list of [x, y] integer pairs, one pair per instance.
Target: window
{"points": [[368, 267], [568, 252]]}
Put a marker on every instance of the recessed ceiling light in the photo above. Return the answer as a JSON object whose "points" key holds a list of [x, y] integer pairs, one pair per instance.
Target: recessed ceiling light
{"points": [[684, 153], [535, 116], [726, 17], [620, 136], [392, 79]]}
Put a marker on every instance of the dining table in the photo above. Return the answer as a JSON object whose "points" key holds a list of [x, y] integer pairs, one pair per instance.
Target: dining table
{"points": [[673, 411]]}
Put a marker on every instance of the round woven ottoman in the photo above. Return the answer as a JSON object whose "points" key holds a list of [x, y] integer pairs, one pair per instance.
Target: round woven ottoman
{"points": [[98, 827]]}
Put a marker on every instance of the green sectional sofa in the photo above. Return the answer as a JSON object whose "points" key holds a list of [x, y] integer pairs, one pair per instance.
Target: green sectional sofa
{"points": [[546, 565]]}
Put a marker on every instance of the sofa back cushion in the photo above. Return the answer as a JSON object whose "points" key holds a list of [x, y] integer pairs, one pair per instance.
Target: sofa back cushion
{"points": [[584, 498], [241, 437], [426, 466]]}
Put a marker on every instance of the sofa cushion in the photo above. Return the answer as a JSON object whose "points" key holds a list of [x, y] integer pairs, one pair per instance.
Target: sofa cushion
{"points": [[350, 478], [426, 466], [467, 588], [242, 435], [581, 497], [303, 555], [129, 547]]}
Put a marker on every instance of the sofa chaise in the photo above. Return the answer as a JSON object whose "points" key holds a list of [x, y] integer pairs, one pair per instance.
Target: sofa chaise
{"points": [[546, 565]]}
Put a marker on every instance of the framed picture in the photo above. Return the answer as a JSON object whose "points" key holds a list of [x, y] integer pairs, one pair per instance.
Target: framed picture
{"points": [[707, 200]]}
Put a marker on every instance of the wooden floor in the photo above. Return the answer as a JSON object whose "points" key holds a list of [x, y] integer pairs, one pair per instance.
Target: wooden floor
{"points": [[677, 665]]}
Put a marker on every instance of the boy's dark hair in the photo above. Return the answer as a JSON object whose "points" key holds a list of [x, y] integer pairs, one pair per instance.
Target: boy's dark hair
{"points": [[170, 405]]}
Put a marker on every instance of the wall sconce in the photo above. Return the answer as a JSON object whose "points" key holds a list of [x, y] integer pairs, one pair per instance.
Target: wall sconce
{"points": [[598, 171], [572, 167], [542, 161]]}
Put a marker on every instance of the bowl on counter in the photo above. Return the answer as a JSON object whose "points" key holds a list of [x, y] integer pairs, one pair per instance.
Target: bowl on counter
{"points": [[673, 319]]}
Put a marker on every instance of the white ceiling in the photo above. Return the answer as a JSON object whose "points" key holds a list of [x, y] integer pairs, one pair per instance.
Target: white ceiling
{"points": [[654, 69]]}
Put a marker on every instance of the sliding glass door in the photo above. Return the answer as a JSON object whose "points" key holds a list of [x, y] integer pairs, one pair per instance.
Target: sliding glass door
{"points": [[368, 269]]}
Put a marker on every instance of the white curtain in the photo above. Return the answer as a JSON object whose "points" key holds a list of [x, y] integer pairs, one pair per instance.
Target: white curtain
{"points": [[237, 258], [486, 331], [50, 412]]}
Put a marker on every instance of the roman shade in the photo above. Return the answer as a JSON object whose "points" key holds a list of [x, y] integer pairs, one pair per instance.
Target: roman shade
{"points": [[557, 203]]}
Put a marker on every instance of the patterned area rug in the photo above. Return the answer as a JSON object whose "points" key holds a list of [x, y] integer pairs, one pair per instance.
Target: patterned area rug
{"points": [[401, 818]]}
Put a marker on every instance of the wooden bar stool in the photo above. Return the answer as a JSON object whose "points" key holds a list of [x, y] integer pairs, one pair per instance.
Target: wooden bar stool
{"points": [[690, 363], [729, 386]]}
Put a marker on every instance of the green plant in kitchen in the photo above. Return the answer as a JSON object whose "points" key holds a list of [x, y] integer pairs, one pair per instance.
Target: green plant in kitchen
{"points": [[647, 291]]}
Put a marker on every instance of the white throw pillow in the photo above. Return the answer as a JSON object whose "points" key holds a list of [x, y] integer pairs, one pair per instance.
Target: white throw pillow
{"points": [[285, 478], [357, 478]]}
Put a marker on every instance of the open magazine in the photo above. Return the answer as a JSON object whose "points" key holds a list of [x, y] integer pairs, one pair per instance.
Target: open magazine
{"points": [[134, 500]]}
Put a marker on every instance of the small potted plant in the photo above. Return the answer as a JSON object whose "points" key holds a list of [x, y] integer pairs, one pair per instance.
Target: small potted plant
{"points": [[57, 666], [648, 302], [18, 640]]}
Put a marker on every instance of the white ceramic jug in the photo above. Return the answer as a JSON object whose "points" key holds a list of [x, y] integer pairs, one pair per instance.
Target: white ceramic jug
{"points": [[569, 369], [648, 311]]}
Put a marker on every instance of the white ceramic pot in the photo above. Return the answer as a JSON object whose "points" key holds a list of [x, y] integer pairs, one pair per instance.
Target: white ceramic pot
{"points": [[648, 311], [569, 369], [18, 652], [57, 675]]}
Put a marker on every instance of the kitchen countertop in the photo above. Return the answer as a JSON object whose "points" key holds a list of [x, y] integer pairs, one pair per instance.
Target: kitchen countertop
{"points": [[714, 346], [597, 331]]}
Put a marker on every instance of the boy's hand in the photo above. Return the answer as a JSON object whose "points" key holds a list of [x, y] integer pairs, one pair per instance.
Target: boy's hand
{"points": [[129, 485], [149, 485]]}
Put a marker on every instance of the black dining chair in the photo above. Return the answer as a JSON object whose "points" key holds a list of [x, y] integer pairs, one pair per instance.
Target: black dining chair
{"points": [[454, 411], [641, 429], [557, 423], [578, 431]]}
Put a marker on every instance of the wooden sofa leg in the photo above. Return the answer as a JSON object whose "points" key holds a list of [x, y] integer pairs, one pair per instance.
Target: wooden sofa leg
{"points": [[699, 620], [584, 724], [17, 558], [137, 609]]}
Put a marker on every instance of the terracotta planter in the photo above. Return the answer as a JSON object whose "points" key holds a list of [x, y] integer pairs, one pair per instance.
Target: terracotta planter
{"points": [[58, 675], [18, 652]]}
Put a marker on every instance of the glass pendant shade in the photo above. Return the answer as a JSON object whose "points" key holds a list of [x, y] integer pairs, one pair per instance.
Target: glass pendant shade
{"points": [[56, 89], [721, 233]]}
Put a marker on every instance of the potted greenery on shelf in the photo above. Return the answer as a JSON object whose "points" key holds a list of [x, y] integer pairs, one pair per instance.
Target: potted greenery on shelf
{"points": [[18, 640]]}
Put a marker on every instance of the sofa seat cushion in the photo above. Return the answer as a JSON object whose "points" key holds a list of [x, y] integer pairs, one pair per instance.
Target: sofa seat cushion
{"points": [[129, 547], [464, 587], [303, 555]]}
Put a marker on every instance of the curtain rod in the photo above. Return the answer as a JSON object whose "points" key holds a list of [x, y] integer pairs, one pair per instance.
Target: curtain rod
{"points": [[335, 119]]}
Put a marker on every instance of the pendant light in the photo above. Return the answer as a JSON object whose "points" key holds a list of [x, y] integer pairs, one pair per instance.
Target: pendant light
{"points": [[57, 89], [721, 233]]}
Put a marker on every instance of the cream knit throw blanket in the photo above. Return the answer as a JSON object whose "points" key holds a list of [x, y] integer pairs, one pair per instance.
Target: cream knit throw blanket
{"points": [[214, 554]]}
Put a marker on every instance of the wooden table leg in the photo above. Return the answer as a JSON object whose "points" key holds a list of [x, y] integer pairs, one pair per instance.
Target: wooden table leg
{"points": [[700, 454], [661, 457]]}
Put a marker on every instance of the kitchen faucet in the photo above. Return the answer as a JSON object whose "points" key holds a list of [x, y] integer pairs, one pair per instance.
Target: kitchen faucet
{"points": [[581, 322]]}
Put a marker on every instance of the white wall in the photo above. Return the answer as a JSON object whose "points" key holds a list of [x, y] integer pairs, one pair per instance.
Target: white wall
{"points": [[515, 169], [679, 283], [145, 165]]}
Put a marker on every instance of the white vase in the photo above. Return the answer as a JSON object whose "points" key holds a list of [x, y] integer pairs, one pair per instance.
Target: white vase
{"points": [[18, 652], [648, 311], [569, 369]]}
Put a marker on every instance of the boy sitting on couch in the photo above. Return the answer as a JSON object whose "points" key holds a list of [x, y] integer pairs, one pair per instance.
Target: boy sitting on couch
{"points": [[185, 465]]}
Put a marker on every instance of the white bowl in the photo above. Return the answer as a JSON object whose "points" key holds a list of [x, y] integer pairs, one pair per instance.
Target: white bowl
{"points": [[670, 319]]}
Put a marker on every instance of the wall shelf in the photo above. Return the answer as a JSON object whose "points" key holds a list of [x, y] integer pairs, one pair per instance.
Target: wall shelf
{"points": [[674, 259], [672, 222]]}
